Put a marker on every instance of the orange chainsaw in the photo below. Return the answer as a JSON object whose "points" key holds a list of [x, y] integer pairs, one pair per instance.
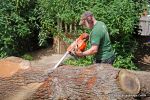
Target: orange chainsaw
{"points": [[78, 44]]}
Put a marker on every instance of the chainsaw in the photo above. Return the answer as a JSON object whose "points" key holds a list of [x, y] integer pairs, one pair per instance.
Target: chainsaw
{"points": [[78, 45]]}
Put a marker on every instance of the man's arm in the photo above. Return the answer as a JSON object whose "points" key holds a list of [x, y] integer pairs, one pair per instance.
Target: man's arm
{"points": [[93, 50]]}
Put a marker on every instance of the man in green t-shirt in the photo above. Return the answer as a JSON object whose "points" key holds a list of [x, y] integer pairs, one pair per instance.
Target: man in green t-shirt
{"points": [[99, 40]]}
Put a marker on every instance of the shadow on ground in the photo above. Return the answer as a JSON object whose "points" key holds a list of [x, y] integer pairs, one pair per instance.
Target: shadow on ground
{"points": [[142, 55]]}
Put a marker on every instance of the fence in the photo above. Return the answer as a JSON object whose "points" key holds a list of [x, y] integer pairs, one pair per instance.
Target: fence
{"points": [[69, 30]]}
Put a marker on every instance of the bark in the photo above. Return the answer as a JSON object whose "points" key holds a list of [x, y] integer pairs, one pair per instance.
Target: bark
{"points": [[96, 82]]}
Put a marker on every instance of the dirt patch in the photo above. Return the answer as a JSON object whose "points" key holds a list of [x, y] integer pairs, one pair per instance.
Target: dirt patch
{"points": [[42, 52]]}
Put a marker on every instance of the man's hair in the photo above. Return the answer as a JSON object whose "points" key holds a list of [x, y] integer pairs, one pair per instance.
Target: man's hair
{"points": [[86, 14]]}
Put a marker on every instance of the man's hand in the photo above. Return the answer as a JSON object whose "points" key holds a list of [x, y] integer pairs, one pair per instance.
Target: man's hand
{"points": [[79, 53]]}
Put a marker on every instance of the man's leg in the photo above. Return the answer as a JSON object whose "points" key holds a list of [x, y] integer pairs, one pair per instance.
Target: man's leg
{"points": [[107, 61]]}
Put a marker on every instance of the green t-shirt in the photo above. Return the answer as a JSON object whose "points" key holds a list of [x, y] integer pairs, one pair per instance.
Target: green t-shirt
{"points": [[99, 36]]}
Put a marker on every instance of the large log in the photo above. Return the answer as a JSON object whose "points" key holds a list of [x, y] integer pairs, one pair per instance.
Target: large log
{"points": [[95, 82]]}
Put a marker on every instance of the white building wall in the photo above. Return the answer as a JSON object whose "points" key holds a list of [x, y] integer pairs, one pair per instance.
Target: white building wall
{"points": [[145, 25]]}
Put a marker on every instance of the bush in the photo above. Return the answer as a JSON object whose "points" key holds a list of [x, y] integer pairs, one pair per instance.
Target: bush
{"points": [[79, 62], [27, 57], [18, 27]]}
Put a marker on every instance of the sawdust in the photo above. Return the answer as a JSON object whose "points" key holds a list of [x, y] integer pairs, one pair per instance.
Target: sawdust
{"points": [[8, 68], [146, 59], [25, 91]]}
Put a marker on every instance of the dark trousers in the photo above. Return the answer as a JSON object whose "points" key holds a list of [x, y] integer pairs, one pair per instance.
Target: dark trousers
{"points": [[106, 61]]}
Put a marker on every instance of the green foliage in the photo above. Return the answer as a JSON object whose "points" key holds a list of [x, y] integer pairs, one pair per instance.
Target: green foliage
{"points": [[79, 62], [47, 20], [120, 16], [124, 50], [18, 27], [125, 62], [27, 57], [12, 27]]}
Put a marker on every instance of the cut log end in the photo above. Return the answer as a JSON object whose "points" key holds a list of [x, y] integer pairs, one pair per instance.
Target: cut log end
{"points": [[129, 82]]}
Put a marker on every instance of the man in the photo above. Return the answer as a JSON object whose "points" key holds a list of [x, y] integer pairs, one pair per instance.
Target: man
{"points": [[99, 40]]}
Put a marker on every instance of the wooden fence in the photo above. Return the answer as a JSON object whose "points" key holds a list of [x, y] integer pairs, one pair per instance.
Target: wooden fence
{"points": [[69, 31]]}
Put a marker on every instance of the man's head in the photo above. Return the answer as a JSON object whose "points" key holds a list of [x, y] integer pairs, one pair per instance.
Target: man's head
{"points": [[87, 19]]}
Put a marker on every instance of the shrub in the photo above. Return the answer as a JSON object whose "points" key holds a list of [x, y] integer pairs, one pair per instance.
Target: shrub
{"points": [[27, 57], [18, 27]]}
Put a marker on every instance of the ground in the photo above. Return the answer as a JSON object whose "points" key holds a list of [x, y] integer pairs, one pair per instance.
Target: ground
{"points": [[42, 52]]}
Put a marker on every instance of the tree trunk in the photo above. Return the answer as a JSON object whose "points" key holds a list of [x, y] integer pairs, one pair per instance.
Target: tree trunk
{"points": [[96, 82]]}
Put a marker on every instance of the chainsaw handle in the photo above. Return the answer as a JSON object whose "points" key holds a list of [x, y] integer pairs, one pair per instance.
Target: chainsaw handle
{"points": [[79, 43]]}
